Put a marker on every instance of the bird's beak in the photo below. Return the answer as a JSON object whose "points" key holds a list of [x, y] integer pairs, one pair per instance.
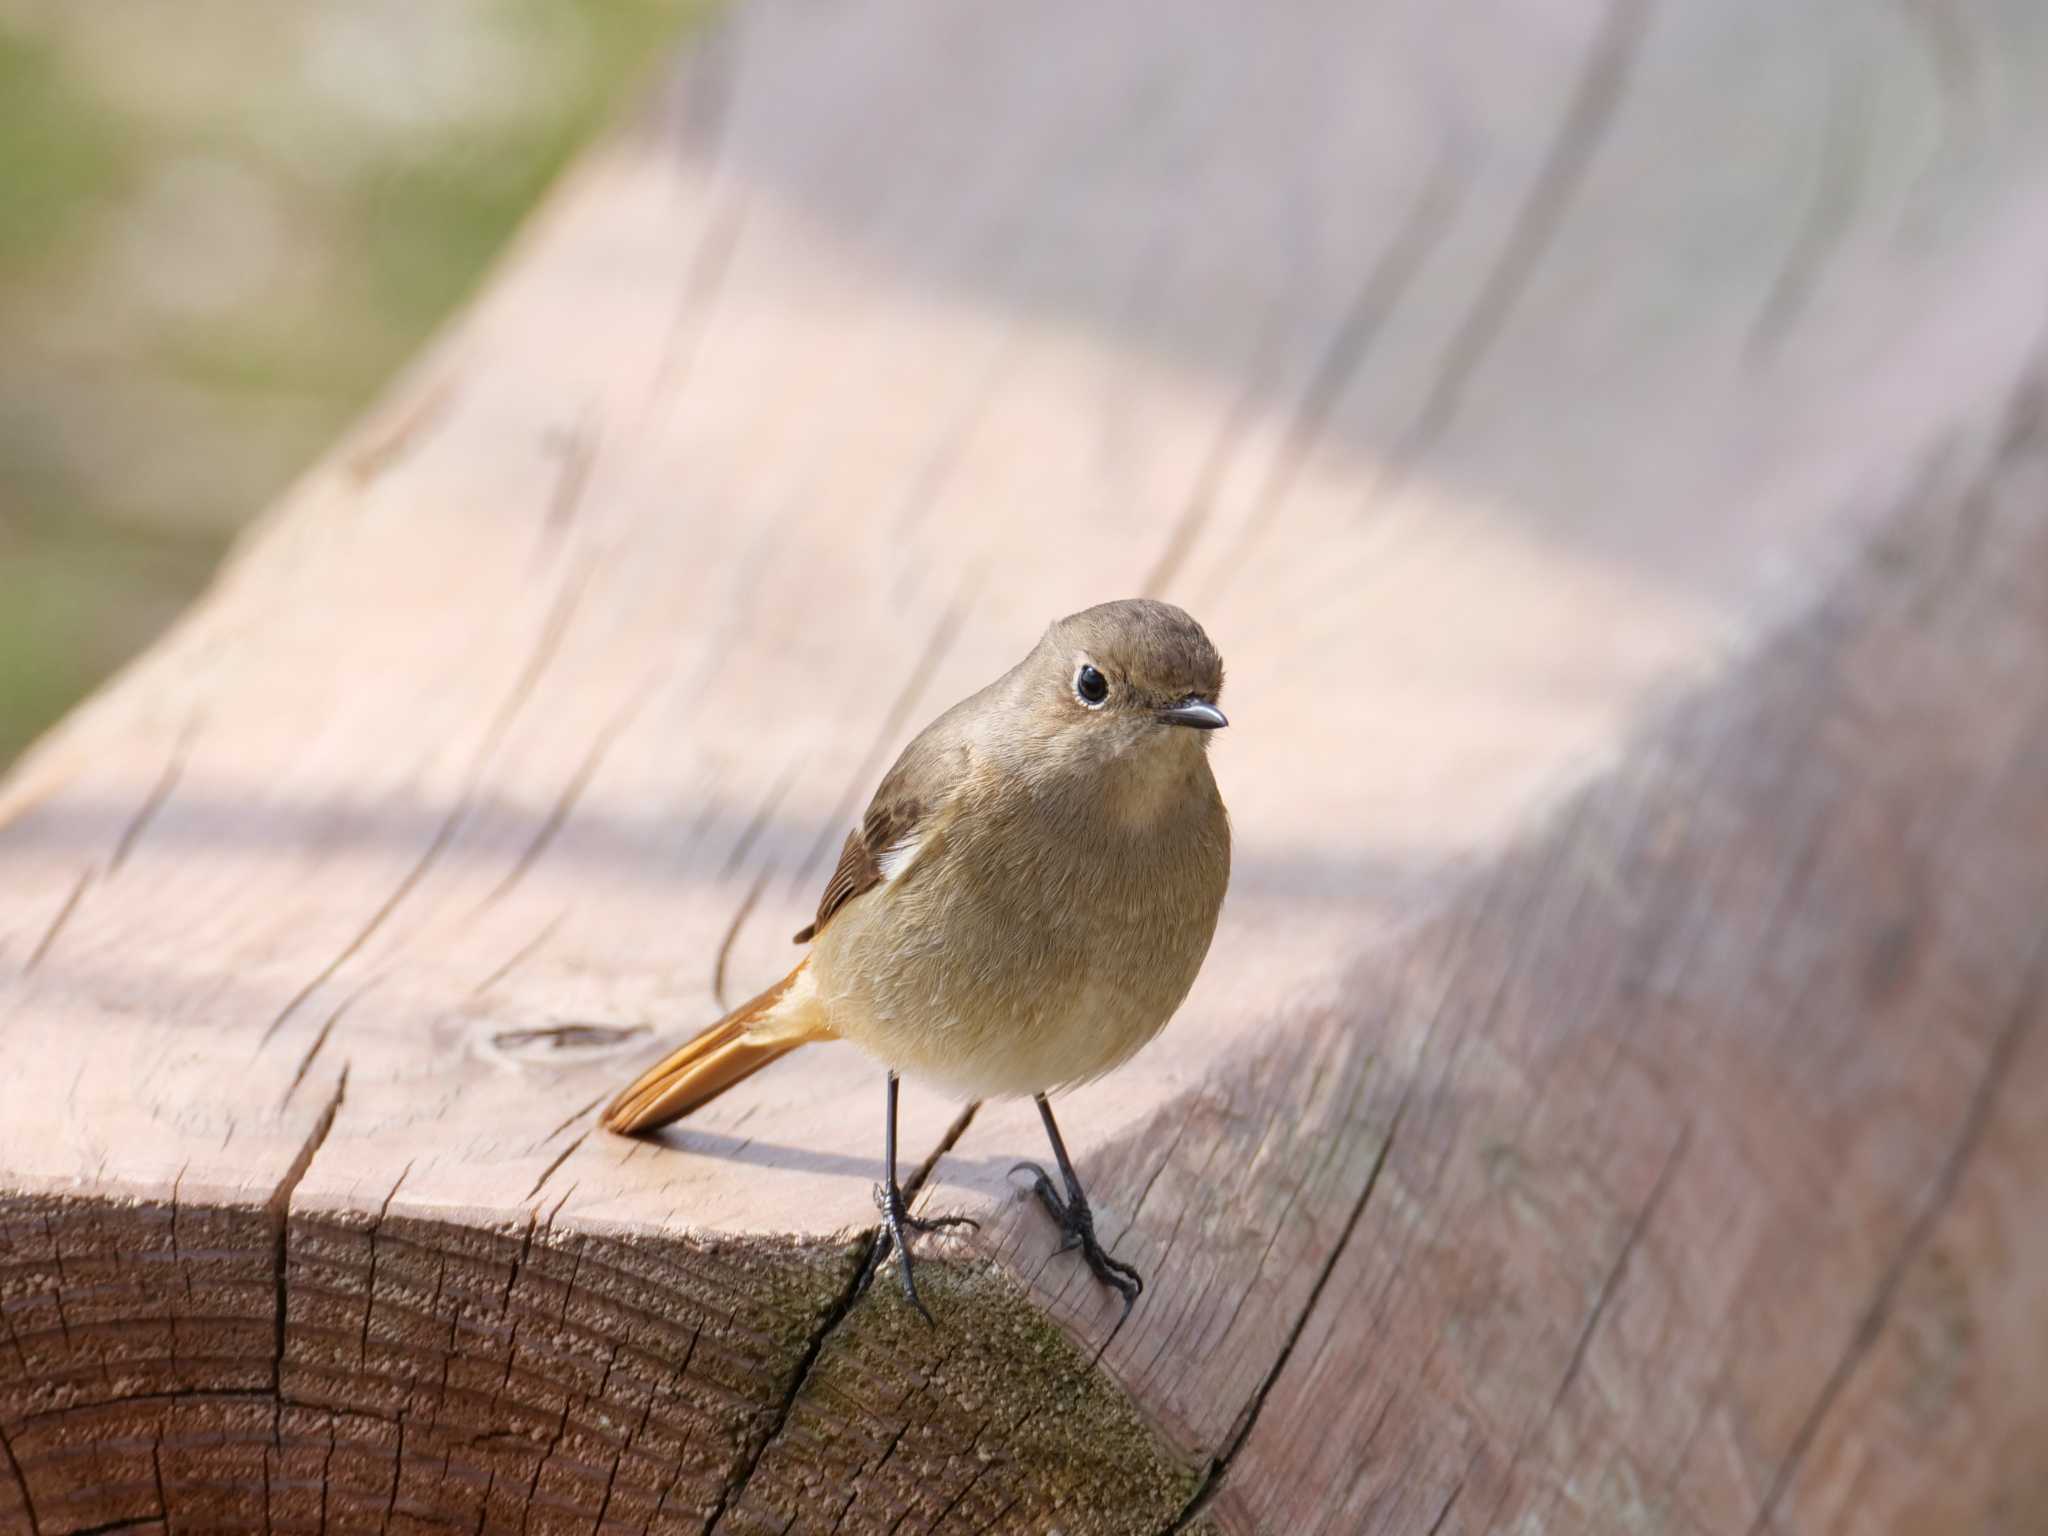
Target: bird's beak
{"points": [[1201, 715]]}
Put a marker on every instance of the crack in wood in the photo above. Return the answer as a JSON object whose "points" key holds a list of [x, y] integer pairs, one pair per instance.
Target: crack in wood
{"points": [[944, 633], [1952, 53], [153, 802], [443, 835], [929, 483], [1219, 1464], [320, 1040], [520, 955], [1586, 118], [1609, 1286], [710, 267], [732, 933], [1953, 62], [1169, 1247], [1877, 1312], [997, 1518], [566, 801], [549, 1171], [163, 1503], [578, 448], [749, 835], [1450, 1504], [279, 1207], [57, 923], [1379, 295], [1837, 189], [385, 447], [1138, 1206], [545, 647], [586, 1109], [28, 1503], [611, 1479], [370, 1280], [1287, 1206], [398, 1465], [863, 1471], [849, 1297], [1619, 1271], [939, 1520], [1223, 445]]}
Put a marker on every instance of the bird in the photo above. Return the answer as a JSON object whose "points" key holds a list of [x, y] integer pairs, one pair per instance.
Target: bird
{"points": [[1025, 903]]}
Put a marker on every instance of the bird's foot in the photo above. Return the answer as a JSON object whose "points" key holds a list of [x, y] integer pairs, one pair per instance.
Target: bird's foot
{"points": [[1077, 1224], [896, 1223]]}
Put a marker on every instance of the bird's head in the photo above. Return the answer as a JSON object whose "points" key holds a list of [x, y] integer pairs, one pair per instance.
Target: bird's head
{"points": [[1132, 679]]}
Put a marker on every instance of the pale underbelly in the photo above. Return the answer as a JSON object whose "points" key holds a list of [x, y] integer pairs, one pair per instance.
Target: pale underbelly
{"points": [[996, 1058], [981, 1038]]}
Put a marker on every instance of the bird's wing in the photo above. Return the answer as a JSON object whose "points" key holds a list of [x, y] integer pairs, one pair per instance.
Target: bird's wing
{"points": [[908, 806], [879, 842]]}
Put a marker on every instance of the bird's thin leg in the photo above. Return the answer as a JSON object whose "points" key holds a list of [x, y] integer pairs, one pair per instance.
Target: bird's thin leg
{"points": [[896, 1219], [1076, 1220]]}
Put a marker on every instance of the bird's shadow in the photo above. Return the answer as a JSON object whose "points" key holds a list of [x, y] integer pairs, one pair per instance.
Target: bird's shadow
{"points": [[755, 1153]]}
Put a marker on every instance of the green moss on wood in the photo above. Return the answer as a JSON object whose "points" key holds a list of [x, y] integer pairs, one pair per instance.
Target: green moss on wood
{"points": [[993, 1419]]}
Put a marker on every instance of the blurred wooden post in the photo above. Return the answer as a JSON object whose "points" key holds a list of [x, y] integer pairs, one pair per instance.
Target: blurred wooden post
{"points": [[1607, 443]]}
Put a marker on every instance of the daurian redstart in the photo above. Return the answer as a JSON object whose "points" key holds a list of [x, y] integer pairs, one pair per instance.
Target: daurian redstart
{"points": [[1024, 905]]}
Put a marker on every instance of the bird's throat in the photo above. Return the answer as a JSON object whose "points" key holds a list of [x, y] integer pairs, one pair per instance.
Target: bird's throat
{"points": [[1141, 787]]}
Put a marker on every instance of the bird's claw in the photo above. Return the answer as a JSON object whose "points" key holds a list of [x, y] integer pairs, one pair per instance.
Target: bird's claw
{"points": [[1077, 1226], [891, 1204], [896, 1221]]}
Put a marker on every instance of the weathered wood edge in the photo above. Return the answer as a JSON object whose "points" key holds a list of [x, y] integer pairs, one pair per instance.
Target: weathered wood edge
{"points": [[634, 1385]]}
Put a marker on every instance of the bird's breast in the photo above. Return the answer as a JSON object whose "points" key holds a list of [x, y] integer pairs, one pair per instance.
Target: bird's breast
{"points": [[1035, 941]]}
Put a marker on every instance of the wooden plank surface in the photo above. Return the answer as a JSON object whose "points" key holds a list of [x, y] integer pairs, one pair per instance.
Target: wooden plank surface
{"points": [[1518, 394]]}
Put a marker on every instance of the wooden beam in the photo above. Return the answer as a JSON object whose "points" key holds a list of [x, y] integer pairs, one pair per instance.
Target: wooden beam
{"points": [[1605, 444]]}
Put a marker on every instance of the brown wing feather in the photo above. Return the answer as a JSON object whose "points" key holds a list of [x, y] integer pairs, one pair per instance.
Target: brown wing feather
{"points": [[911, 802], [887, 823]]}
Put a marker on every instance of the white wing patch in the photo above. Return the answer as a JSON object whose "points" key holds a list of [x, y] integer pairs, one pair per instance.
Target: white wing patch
{"points": [[898, 857]]}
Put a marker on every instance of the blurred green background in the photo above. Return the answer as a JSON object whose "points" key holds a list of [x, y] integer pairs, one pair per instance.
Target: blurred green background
{"points": [[223, 224]]}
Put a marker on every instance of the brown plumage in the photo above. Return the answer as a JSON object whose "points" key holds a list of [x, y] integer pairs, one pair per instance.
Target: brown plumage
{"points": [[1028, 897]]}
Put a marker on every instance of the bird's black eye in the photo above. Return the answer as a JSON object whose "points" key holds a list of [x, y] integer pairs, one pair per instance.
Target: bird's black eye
{"points": [[1090, 686]]}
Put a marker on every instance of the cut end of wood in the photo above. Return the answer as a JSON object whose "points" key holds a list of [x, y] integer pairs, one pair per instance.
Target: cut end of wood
{"points": [[539, 1379]]}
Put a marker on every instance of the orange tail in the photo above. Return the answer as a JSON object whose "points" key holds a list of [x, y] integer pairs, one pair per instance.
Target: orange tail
{"points": [[705, 1066]]}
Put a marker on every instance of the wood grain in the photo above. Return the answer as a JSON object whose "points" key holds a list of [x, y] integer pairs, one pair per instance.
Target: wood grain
{"points": [[1604, 442]]}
